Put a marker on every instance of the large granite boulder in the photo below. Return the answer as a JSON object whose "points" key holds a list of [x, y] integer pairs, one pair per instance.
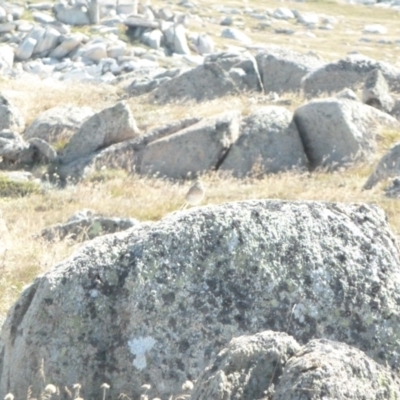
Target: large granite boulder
{"points": [[155, 304], [205, 82], [282, 70], [58, 123], [387, 167], [333, 370], [269, 141], [348, 72], [126, 155], [338, 132], [199, 148], [111, 125], [247, 367], [272, 366]]}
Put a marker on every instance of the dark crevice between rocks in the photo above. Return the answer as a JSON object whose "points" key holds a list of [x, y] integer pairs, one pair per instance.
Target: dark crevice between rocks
{"points": [[224, 154], [305, 144], [20, 310]]}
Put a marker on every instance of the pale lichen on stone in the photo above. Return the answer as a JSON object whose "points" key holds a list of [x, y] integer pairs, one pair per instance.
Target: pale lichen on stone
{"points": [[138, 348]]}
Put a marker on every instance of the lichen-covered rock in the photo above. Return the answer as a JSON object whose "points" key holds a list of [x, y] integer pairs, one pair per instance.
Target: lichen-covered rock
{"points": [[324, 369], [348, 72], [282, 70], [388, 167], [111, 125], [273, 366], [86, 226], [126, 155], [198, 148], [10, 116], [376, 92], [269, 142], [156, 303], [338, 132], [206, 82], [58, 123], [246, 367]]}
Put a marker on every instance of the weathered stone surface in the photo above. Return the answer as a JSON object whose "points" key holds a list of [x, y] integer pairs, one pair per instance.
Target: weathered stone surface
{"points": [[204, 44], [272, 365], [86, 225], [111, 125], [338, 132], [25, 49], [196, 149], [393, 190], [58, 123], [388, 167], [376, 92], [333, 370], [246, 367], [269, 141], [131, 307], [75, 15], [282, 70], [10, 116], [13, 149], [249, 79], [205, 82], [44, 150], [126, 155], [348, 72], [48, 42], [66, 46]]}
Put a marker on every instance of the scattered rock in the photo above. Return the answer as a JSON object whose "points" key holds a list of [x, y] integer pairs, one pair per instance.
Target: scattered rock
{"points": [[376, 92], [196, 149], [86, 225], [58, 123], [10, 117], [205, 82], [388, 167], [338, 132], [348, 72], [334, 370], [269, 142], [282, 70], [246, 367], [393, 190], [111, 125]]}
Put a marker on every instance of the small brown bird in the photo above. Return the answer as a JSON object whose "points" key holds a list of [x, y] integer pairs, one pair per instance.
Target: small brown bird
{"points": [[195, 195]]}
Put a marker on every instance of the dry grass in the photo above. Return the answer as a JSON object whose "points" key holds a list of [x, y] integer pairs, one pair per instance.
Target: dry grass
{"points": [[125, 195]]}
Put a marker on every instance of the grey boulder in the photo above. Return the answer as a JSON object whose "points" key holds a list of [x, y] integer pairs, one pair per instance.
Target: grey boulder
{"points": [[58, 123], [205, 82], [376, 92], [194, 150], [246, 367], [282, 70], [133, 307], [333, 370], [273, 366], [111, 125], [339, 132], [269, 141], [348, 72], [10, 116], [86, 225], [388, 167]]}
